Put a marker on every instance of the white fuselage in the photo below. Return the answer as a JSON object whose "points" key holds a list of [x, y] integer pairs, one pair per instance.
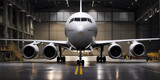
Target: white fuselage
{"points": [[80, 30]]}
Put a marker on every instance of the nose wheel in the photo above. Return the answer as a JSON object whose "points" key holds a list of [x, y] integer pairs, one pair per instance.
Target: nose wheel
{"points": [[80, 61]]}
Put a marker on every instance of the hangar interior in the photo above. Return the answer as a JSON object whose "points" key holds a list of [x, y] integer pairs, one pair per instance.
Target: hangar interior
{"points": [[45, 20]]}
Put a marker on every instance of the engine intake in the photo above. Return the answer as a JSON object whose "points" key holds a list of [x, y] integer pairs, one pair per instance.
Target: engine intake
{"points": [[115, 51], [137, 49], [50, 51], [30, 51]]}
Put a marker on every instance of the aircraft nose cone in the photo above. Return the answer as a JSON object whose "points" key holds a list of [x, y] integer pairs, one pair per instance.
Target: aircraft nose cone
{"points": [[80, 29]]}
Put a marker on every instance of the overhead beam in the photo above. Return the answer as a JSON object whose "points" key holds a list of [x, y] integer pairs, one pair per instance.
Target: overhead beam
{"points": [[147, 12]]}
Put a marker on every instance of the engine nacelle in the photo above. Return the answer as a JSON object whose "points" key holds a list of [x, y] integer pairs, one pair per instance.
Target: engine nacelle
{"points": [[115, 51], [50, 51], [137, 49], [30, 51]]}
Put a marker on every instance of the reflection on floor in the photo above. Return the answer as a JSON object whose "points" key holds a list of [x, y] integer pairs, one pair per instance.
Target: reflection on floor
{"points": [[90, 71]]}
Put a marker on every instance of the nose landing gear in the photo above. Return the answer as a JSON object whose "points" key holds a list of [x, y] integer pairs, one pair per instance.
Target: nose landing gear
{"points": [[80, 61]]}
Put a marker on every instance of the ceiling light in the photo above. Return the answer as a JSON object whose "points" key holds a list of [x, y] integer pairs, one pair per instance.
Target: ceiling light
{"points": [[135, 0], [110, 2], [92, 3], [28, 15], [22, 11], [10, 4], [150, 16], [145, 19], [67, 3], [157, 10], [132, 3], [34, 18]]}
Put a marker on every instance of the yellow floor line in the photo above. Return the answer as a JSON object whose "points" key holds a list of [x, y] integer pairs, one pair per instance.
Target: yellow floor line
{"points": [[81, 70], [76, 71]]}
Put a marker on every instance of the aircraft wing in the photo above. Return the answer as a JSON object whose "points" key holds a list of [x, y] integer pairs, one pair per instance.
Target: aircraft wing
{"points": [[63, 43], [105, 42]]}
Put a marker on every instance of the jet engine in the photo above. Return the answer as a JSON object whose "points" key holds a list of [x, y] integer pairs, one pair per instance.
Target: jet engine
{"points": [[137, 49], [50, 51], [30, 51], [115, 51]]}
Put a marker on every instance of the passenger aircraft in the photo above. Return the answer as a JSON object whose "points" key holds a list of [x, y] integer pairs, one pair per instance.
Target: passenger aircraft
{"points": [[81, 31]]}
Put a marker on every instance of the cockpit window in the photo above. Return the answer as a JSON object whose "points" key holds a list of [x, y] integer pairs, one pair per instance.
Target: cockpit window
{"points": [[83, 19], [77, 19], [80, 19], [71, 20], [89, 20]]}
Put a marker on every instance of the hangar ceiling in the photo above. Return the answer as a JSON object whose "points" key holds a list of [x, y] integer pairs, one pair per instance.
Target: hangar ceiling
{"points": [[129, 5]]}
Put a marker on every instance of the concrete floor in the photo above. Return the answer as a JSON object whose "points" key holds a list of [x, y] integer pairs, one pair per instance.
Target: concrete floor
{"points": [[71, 71]]}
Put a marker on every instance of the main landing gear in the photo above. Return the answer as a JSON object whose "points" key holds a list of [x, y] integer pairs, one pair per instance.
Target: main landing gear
{"points": [[80, 61], [101, 58], [61, 58]]}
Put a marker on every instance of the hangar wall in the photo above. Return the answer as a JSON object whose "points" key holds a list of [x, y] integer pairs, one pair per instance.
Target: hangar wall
{"points": [[16, 22], [150, 29]]}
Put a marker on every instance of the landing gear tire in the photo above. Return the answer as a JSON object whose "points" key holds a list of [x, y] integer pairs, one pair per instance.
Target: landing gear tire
{"points": [[98, 58], [58, 59], [61, 59], [101, 59], [104, 59], [80, 62]]}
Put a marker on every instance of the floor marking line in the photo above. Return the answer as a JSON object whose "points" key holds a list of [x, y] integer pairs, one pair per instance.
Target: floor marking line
{"points": [[76, 71], [81, 70]]}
